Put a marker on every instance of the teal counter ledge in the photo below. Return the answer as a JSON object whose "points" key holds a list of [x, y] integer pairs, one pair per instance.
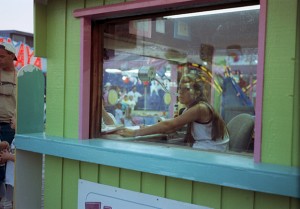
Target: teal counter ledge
{"points": [[222, 169]]}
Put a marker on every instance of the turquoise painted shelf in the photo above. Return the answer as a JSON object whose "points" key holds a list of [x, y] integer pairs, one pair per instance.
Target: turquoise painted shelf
{"points": [[237, 171]]}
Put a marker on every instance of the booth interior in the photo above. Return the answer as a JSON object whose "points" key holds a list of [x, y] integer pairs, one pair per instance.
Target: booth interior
{"points": [[144, 59]]}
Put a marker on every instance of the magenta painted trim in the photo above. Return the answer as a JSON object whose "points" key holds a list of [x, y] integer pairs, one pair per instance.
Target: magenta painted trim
{"points": [[138, 7], [260, 79], [85, 72]]}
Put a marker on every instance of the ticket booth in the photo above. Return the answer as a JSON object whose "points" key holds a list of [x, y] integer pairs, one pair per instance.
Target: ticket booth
{"points": [[99, 53]]}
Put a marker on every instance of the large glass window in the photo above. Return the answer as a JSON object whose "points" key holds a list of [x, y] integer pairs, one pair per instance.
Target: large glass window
{"points": [[143, 60]]}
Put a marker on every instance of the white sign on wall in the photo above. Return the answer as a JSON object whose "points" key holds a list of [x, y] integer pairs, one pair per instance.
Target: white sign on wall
{"points": [[98, 196]]}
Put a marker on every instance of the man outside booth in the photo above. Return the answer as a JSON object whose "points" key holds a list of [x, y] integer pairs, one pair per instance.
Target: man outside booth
{"points": [[8, 81]]}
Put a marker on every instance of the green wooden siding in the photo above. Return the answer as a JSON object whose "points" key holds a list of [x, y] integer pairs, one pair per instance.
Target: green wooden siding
{"points": [[62, 177], [109, 175], [40, 30], [280, 133], [207, 194], [70, 178], [278, 98], [72, 71], [296, 121], [53, 184], [56, 67]]}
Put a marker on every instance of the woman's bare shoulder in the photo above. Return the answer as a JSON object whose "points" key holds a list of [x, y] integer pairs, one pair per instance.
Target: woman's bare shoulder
{"points": [[204, 110]]}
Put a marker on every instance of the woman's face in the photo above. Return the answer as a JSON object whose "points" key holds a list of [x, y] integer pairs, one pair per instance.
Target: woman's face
{"points": [[185, 93]]}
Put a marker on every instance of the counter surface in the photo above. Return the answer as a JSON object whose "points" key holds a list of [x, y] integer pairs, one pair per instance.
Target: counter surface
{"points": [[224, 169]]}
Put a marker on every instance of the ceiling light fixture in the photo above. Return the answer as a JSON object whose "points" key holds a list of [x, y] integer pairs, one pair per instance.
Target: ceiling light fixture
{"points": [[211, 12]]}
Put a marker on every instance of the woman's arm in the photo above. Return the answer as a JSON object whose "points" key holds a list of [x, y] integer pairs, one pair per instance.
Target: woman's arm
{"points": [[106, 117], [171, 125]]}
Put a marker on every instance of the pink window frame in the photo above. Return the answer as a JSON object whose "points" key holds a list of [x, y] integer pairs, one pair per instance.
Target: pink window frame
{"points": [[143, 7]]}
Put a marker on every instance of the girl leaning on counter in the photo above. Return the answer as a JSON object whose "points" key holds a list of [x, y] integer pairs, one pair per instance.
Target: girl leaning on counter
{"points": [[205, 128]]}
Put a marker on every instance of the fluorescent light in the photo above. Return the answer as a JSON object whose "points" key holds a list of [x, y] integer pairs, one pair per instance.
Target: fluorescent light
{"points": [[133, 71], [220, 11], [109, 70]]}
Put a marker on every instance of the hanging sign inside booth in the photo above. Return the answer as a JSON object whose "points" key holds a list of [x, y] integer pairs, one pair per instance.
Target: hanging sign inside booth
{"points": [[98, 196], [25, 55]]}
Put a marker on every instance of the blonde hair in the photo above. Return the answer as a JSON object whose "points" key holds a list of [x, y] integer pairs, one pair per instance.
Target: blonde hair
{"points": [[197, 87]]}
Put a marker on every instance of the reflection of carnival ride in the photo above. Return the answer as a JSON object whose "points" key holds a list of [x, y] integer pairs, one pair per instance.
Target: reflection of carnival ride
{"points": [[235, 99]]}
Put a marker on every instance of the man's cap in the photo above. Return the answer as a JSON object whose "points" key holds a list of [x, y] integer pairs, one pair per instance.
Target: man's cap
{"points": [[9, 47], [107, 84]]}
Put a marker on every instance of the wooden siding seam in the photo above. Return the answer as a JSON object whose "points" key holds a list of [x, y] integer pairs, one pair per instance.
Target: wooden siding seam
{"points": [[65, 69]]}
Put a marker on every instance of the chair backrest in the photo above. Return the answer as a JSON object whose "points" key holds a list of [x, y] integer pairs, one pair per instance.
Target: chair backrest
{"points": [[240, 130]]}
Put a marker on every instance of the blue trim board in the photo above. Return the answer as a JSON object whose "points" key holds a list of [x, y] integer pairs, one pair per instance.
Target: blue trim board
{"points": [[237, 171]]}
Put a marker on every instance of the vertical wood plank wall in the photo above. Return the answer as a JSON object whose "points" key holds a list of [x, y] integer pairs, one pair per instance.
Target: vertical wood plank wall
{"points": [[57, 38], [61, 187], [279, 83]]}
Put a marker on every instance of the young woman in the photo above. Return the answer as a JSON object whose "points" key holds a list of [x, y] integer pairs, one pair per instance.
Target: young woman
{"points": [[206, 129]]}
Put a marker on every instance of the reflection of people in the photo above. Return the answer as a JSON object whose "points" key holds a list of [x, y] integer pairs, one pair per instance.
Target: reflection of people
{"points": [[119, 114], [154, 87], [131, 102], [128, 120], [107, 87], [136, 95], [205, 129], [238, 77]]}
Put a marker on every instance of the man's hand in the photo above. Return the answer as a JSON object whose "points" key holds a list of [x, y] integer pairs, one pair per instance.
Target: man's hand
{"points": [[4, 145]]}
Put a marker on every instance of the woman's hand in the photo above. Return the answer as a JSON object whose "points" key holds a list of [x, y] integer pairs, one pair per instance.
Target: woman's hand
{"points": [[126, 132]]}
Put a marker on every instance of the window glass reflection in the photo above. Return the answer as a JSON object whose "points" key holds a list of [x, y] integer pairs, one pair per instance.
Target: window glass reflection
{"points": [[144, 60]]}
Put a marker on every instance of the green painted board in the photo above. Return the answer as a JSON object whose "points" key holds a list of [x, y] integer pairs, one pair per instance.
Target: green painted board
{"points": [[89, 171], [184, 194], [56, 55], [130, 180], [30, 100], [70, 183], [263, 200], [109, 175], [237, 198], [153, 184], [207, 194], [72, 70], [53, 182], [93, 3], [40, 30], [278, 101]]}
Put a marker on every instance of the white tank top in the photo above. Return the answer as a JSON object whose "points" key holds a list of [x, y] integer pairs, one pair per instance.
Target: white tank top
{"points": [[201, 131], [203, 138]]}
